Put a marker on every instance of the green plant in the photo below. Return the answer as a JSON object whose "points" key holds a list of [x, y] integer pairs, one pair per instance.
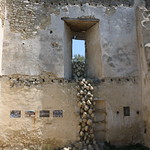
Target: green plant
{"points": [[78, 57]]}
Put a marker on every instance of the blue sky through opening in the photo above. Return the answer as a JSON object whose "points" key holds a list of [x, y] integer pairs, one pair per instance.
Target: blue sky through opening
{"points": [[78, 47]]}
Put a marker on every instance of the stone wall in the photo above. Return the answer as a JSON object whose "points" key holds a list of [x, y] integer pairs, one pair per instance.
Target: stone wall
{"points": [[36, 52], [34, 38], [144, 47], [119, 93], [35, 131]]}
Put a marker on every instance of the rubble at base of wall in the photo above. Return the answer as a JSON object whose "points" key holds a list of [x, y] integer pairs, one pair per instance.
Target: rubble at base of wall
{"points": [[81, 146]]}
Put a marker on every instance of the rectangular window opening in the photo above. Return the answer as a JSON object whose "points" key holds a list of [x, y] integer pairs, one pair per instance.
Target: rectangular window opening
{"points": [[82, 42], [78, 58], [78, 49], [126, 111]]}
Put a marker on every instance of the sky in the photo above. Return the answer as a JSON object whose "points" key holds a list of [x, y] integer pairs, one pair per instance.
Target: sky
{"points": [[78, 47]]}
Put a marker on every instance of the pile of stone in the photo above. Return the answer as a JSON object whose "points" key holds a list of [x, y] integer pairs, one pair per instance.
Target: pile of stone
{"points": [[86, 105], [81, 146], [78, 69]]}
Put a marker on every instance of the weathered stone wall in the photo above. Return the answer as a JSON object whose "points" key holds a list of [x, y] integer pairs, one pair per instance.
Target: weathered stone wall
{"points": [[36, 40], [54, 94], [143, 29], [34, 37], [35, 131], [119, 93]]}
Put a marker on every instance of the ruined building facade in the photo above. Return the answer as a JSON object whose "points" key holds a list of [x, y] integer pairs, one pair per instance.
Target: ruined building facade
{"points": [[38, 103]]}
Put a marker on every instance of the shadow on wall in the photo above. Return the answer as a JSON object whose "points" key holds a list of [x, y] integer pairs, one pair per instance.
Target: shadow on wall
{"points": [[147, 4], [108, 146]]}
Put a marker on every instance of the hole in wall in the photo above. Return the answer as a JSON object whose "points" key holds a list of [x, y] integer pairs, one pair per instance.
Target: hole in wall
{"points": [[126, 111], [137, 112], [117, 112], [103, 80], [51, 32]]}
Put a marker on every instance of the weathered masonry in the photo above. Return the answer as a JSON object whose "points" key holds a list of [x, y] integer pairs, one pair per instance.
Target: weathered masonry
{"points": [[38, 96]]}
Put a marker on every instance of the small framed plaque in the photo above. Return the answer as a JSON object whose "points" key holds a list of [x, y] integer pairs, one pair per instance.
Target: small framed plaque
{"points": [[30, 113], [15, 113], [44, 113], [58, 113]]}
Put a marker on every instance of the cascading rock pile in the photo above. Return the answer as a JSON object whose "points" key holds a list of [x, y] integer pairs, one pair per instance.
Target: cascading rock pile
{"points": [[86, 105], [78, 69]]}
